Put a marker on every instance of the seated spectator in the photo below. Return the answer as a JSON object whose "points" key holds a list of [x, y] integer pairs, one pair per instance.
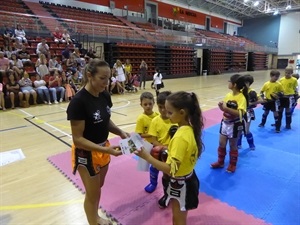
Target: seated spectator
{"points": [[65, 54], [71, 64], [24, 55], [2, 102], [55, 82], [42, 90], [4, 64], [75, 81], [16, 65], [8, 35], [27, 89], [41, 66], [91, 54], [54, 65], [7, 52], [78, 57], [20, 34], [43, 48], [65, 83], [17, 46], [13, 88], [66, 37], [57, 35]]}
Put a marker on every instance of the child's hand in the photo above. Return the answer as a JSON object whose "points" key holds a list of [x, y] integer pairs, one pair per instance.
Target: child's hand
{"points": [[142, 153], [124, 135], [221, 105]]}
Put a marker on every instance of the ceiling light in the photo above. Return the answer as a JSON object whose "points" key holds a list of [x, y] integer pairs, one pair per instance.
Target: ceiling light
{"points": [[246, 0], [288, 7], [256, 3], [276, 12]]}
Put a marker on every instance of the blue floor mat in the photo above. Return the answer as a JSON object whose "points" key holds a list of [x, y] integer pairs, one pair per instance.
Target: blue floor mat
{"points": [[266, 183]]}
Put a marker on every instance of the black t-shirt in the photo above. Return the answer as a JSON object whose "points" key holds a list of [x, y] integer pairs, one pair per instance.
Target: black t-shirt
{"points": [[95, 111], [23, 53]]}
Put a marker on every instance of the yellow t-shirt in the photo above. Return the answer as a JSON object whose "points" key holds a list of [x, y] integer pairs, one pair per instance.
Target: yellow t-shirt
{"points": [[143, 123], [128, 68], [159, 128], [289, 85], [238, 99], [183, 148], [270, 88]]}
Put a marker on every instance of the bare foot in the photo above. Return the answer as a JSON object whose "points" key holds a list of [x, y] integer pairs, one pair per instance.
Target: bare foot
{"points": [[102, 221]]}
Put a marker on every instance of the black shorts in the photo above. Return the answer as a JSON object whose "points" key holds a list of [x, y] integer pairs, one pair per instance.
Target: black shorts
{"points": [[272, 105], [287, 101], [185, 191]]}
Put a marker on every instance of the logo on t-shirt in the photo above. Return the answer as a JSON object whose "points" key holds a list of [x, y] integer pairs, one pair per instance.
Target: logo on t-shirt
{"points": [[97, 117]]}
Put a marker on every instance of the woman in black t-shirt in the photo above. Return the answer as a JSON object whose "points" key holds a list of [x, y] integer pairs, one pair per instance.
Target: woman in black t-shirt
{"points": [[89, 113]]}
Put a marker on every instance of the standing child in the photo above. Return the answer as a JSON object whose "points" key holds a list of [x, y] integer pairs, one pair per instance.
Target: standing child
{"points": [[289, 84], [159, 130], [157, 81], [234, 107], [271, 92], [254, 99], [144, 120], [183, 152], [296, 75]]}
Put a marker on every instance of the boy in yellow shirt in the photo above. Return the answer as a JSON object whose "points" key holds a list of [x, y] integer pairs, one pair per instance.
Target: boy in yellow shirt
{"points": [[289, 84], [271, 92], [160, 131], [144, 120]]}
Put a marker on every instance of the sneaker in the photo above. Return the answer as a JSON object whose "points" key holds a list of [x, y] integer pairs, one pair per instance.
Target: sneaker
{"points": [[273, 124], [216, 165], [231, 168], [277, 130], [45, 102], [261, 125], [56, 102], [162, 202], [288, 126], [239, 146], [60, 100], [49, 103]]}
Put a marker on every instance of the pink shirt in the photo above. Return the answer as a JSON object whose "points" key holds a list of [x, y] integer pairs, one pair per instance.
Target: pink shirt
{"points": [[4, 63]]}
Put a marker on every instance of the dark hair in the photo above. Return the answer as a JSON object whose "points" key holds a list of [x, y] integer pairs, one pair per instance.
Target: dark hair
{"points": [[240, 83], [162, 97], [189, 102], [147, 95], [157, 69], [248, 78], [92, 68], [274, 73], [296, 75]]}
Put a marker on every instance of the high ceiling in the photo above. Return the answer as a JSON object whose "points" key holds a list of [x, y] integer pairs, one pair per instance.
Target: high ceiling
{"points": [[244, 9]]}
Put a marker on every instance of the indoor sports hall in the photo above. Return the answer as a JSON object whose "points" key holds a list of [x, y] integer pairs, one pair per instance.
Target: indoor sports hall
{"points": [[197, 46]]}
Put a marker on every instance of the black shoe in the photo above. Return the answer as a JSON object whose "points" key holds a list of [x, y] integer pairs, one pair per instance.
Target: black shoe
{"points": [[162, 202], [288, 126], [277, 130], [273, 124], [261, 125]]}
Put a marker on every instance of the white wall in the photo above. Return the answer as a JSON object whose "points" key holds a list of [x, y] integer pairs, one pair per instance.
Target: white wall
{"points": [[289, 34]]}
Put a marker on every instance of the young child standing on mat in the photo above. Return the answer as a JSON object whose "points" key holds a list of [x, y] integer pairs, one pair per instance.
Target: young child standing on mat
{"points": [[254, 99], [234, 106], [160, 128], [183, 152], [289, 84], [144, 120], [271, 93], [89, 115]]}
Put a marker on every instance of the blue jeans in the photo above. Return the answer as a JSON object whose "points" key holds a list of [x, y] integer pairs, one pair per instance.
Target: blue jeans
{"points": [[53, 91], [43, 92]]}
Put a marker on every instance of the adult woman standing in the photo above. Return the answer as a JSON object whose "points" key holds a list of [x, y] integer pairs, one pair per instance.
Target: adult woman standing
{"points": [[143, 69], [89, 114]]}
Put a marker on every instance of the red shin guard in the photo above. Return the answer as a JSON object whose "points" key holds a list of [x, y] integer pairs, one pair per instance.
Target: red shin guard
{"points": [[234, 154], [221, 157]]}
